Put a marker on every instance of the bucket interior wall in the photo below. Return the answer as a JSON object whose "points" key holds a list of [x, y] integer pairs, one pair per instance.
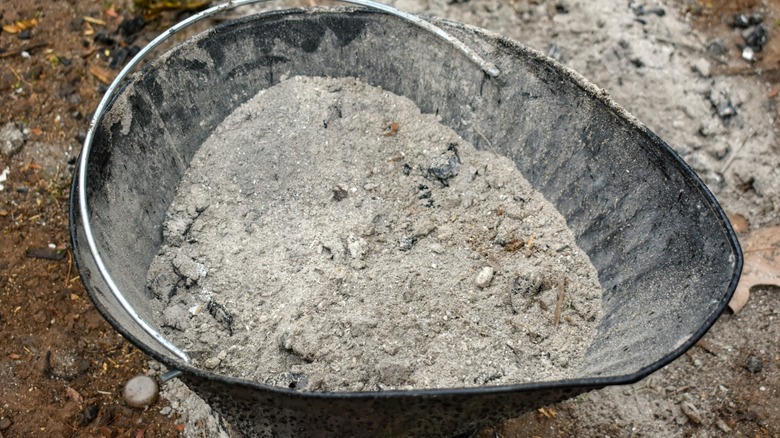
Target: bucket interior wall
{"points": [[663, 253]]}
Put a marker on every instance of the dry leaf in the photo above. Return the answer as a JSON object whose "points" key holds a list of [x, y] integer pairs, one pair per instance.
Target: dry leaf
{"points": [[392, 129], [761, 249], [20, 25], [32, 165], [11, 28], [709, 347], [93, 20], [74, 395], [111, 12], [102, 74], [738, 222], [27, 24], [89, 30]]}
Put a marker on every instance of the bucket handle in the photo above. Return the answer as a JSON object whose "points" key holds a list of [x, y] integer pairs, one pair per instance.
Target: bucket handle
{"points": [[489, 68]]}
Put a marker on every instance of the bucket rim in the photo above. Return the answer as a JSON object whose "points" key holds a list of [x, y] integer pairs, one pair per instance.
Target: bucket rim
{"points": [[575, 385]]}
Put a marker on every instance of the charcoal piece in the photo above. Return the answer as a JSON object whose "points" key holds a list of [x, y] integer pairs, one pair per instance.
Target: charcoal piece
{"points": [[743, 21], [221, 315], [103, 37], [132, 26], [445, 166], [407, 243], [118, 58], [757, 38]]}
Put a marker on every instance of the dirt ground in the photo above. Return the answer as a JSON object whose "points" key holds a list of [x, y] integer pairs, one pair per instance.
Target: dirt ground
{"points": [[62, 367], [678, 65]]}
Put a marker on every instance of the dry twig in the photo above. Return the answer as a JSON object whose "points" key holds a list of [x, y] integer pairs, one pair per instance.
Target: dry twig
{"points": [[559, 304]]}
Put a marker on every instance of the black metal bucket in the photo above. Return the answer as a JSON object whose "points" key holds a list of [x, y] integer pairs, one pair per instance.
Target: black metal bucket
{"points": [[667, 258]]}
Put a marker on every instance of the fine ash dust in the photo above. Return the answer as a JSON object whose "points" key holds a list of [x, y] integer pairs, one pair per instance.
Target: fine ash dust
{"points": [[329, 237]]}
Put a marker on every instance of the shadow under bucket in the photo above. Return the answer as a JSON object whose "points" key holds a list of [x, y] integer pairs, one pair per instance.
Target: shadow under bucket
{"points": [[667, 258]]}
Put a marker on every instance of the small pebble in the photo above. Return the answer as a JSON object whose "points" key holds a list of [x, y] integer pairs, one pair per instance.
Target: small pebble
{"points": [[484, 277], [722, 425], [748, 54], [5, 423], [754, 364], [11, 139], [81, 136], [691, 412], [90, 413], [717, 48], [141, 391], [554, 52], [436, 248], [211, 363], [166, 411], [702, 67], [725, 107]]}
